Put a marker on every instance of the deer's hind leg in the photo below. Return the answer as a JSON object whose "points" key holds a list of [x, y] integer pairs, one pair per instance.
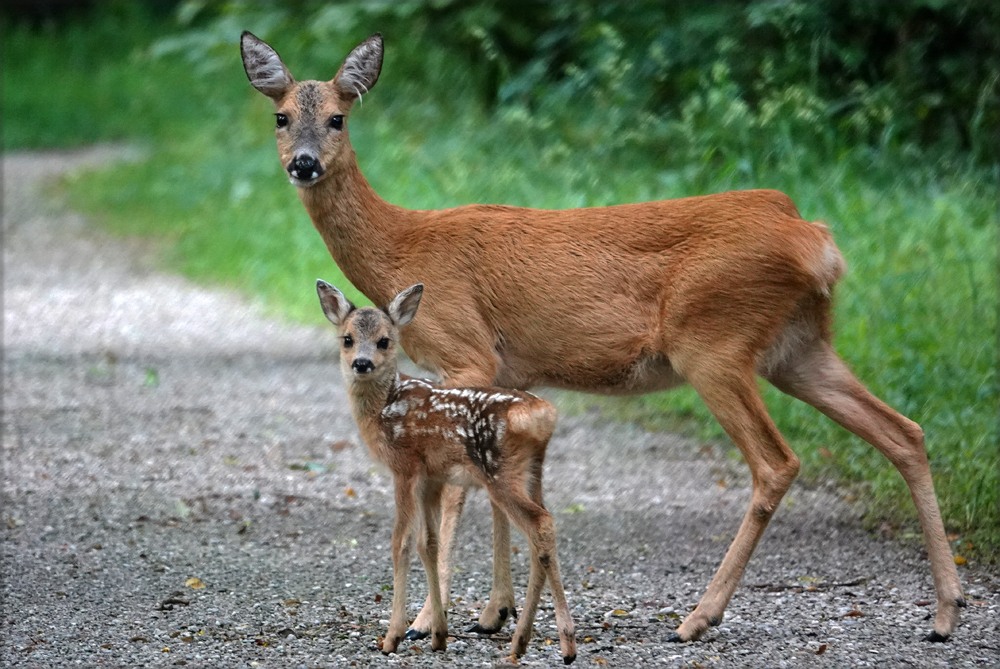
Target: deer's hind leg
{"points": [[726, 382], [816, 375]]}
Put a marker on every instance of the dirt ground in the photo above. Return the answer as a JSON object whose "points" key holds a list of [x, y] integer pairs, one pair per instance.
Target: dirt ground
{"points": [[184, 486]]}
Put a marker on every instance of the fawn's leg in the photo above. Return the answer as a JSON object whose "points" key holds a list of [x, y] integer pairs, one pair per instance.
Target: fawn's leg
{"points": [[452, 503], [400, 562], [819, 377], [501, 604], [472, 363], [547, 541], [427, 549], [538, 526]]}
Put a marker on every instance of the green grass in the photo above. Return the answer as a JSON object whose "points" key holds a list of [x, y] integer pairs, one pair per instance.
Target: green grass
{"points": [[916, 314]]}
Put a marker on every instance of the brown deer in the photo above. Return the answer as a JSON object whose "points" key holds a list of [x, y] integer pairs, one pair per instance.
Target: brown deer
{"points": [[711, 291], [429, 436]]}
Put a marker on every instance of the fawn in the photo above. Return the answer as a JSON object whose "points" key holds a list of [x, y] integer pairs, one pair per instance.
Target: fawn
{"points": [[429, 436]]}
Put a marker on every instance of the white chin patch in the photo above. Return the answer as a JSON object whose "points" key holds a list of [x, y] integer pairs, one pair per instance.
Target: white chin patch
{"points": [[298, 178]]}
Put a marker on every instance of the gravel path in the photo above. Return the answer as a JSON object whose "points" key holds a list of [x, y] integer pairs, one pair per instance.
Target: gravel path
{"points": [[156, 432]]}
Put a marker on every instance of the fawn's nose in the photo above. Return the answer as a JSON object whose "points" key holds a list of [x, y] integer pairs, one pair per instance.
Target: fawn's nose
{"points": [[305, 167], [362, 365]]}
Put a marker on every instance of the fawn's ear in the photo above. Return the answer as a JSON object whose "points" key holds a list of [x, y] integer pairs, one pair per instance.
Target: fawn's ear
{"points": [[336, 307], [403, 307], [264, 67], [360, 69]]}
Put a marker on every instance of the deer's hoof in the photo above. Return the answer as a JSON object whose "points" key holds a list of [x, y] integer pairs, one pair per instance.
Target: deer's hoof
{"points": [[413, 634], [568, 659], [675, 638], [479, 628], [936, 637]]}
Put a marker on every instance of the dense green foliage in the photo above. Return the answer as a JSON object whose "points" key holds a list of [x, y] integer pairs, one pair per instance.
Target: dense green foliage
{"points": [[573, 104]]}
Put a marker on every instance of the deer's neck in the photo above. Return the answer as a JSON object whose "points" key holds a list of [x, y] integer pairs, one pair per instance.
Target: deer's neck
{"points": [[359, 228]]}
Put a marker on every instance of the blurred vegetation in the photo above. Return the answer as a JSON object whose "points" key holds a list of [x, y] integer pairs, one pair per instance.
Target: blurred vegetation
{"points": [[880, 118]]}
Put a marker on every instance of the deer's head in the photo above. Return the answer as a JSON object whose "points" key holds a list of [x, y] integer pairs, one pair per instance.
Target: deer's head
{"points": [[311, 116], [368, 336]]}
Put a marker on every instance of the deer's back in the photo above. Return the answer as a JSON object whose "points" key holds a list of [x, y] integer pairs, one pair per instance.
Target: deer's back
{"points": [[595, 298]]}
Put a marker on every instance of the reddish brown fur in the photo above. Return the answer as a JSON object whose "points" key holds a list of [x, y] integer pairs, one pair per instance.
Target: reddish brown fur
{"points": [[632, 298]]}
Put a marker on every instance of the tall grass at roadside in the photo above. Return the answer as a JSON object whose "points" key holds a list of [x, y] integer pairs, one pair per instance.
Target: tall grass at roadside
{"points": [[915, 314]]}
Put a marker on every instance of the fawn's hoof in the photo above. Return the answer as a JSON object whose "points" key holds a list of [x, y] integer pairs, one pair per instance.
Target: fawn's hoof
{"points": [[413, 634], [675, 638], [568, 659], [937, 637]]}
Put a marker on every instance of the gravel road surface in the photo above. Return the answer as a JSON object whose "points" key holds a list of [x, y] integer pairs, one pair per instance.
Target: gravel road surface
{"points": [[183, 486]]}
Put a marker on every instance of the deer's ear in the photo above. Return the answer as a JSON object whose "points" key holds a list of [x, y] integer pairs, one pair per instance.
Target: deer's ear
{"points": [[336, 307], [361, 68], [264, 67], [403, 307]]}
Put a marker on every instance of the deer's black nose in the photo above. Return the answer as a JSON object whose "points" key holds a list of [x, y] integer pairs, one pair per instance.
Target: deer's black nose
{"points": [[305, 167], [362, 365]]}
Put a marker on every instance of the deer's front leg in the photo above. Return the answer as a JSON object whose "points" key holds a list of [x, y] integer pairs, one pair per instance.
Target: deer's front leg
{"points": [[400, 563], [501, 604]]}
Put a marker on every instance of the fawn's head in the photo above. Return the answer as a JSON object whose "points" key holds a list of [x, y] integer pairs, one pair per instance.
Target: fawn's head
{"points": [[368, 336], [311, 116]]}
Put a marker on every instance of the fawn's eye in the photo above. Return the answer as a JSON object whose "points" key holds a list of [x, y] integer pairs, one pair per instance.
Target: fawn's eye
{"points": [[280, 120], [348, 341], [383, 343], [337, 122]]}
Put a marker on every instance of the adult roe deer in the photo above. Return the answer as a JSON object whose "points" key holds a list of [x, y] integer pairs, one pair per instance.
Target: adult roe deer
{"points": [[428, 436], [632, 298]]}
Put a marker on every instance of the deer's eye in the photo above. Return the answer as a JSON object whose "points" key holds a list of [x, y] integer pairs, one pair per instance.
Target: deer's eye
{"points": [[348, 341], [383, 343], [281, 120], [337, 122]]}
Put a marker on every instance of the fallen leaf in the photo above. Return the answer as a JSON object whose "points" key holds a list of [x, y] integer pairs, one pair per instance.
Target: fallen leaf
{"points": [[600, 660], [350, 492], [923, 602], [721, 483], [105, 645], [139, 639], [517, 551], [548, 642], [588, 639], [292, 602], [338, 446], [231, 461], [620, 613], [854, 614], [824, 452], [821, 649], [166, 649], [960, 560], [574, 508], [952, 537], [194, 583], [378, 598], [417, 650]]}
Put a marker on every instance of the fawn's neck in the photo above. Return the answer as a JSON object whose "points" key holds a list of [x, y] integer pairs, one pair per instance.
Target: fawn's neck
{"points": [[368, 399], [359, 228]]}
